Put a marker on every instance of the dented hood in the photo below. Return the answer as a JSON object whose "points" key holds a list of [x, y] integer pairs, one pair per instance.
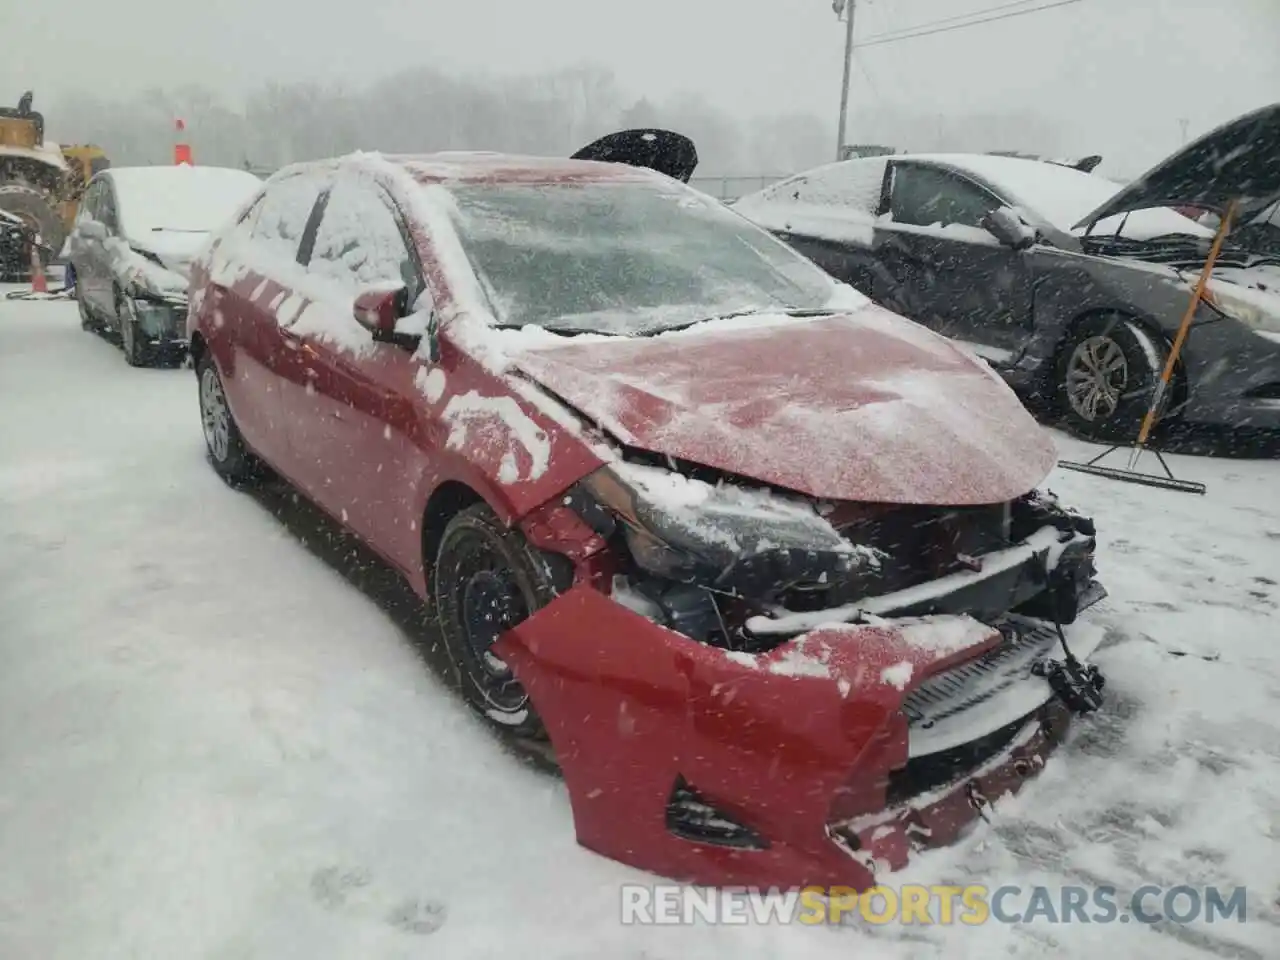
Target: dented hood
{"points": [[864, 406]]}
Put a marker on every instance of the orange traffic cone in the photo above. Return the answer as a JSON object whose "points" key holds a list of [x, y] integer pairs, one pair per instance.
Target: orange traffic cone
{"points": [[181, 149], [39, 282]]}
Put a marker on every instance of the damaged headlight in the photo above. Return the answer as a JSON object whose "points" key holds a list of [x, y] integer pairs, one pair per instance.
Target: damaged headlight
{"points": [[147, 276], [1254, 312], [730, 538]]}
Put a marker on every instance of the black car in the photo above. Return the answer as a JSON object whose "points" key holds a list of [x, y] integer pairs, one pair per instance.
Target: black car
{"points": [[1069, 284]]}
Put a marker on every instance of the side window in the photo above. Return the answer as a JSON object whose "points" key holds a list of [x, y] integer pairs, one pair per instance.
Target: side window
{"points": [[359, 241], [853, 184], [89, 203], [281, 216], [923, 196], [106, 208]]}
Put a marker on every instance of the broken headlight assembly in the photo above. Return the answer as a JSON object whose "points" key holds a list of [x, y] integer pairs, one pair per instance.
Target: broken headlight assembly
{"points": [[731, 539]]}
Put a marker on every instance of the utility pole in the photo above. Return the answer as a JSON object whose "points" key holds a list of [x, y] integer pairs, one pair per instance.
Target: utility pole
{"points": [[845, 8]]}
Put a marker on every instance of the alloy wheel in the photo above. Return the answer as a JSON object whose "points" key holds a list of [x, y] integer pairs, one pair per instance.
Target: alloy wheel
{"points": [[214, 414], [1097, 376]]}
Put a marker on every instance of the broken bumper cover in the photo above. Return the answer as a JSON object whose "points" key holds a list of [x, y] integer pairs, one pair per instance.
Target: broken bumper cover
{"points": [[802, 749], [163, 321]]}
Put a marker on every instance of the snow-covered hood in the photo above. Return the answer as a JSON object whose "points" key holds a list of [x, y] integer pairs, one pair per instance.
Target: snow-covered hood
{"points": [[864, 406], [177, 250]]}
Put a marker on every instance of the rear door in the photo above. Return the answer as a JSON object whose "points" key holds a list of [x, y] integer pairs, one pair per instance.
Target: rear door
{"points": [[94, 256], [251, 295], [347, 404], [80, 252], [947, 271]]}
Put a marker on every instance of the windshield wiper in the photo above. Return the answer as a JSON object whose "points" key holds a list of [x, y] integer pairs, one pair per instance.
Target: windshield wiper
{"points": [[798, 313]]}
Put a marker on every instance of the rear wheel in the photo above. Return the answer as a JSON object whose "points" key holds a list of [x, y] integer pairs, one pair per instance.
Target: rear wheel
{"points": [[486, 580], [227, 450], [1106, 375]]}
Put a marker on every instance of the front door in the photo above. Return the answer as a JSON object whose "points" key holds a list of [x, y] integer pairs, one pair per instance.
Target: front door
{"points": [[344, 399], [947, 270]]}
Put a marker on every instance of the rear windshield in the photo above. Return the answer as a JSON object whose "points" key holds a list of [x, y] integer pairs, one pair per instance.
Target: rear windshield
{"points": [[624, 257]]}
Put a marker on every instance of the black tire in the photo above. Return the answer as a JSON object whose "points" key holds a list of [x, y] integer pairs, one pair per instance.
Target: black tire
{"points": [[137, 351], [1106, 375], [35, 207], [227, 450], [87, 320], [487, 578]]}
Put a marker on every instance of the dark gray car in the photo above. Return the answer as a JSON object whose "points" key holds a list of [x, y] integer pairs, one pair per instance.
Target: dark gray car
{"points": [[136, 233], [1070, 285]]}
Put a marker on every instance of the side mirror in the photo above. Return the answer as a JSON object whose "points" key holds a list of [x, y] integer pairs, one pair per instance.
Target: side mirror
{"points": [[92, 230], [1005, 225], [382, 311]]}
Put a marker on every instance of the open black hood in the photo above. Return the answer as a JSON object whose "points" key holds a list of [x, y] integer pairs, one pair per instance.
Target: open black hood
{"points": [[1238, 161], [661, 150]]}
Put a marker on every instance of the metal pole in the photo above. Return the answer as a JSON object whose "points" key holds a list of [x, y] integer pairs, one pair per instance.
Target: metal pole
{"points": [[848, 74]]}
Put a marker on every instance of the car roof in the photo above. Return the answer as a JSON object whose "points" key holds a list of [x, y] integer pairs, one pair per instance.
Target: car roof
{"points": [[486, 167]]}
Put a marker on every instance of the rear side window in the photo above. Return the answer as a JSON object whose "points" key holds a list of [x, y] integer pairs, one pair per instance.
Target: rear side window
{"points": [[89, 204], [359, 241], [924, 196], [282, 215], [853, 184]]}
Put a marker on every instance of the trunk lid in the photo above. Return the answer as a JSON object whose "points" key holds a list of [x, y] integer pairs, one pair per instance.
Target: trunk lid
{"points": [[662, 150]]}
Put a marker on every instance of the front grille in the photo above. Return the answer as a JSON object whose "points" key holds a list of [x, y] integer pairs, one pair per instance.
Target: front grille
{"points": [[938, 769], [977, 681], [918, 544]]}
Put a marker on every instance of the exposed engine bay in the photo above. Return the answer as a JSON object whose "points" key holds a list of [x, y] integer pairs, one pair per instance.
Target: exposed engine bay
{"points": [[737, 565]]}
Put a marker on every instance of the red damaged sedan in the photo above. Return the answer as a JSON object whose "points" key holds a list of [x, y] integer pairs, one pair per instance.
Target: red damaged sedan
{"points": [[764, 567]]}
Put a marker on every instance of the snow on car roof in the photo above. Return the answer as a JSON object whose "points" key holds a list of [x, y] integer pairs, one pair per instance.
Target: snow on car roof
{"points": [[1060, 195], [486, 167], [180, 198]]}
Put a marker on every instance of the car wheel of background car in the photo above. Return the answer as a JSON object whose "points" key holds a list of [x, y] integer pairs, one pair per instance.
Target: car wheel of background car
{"points": [[1106, 373], [137, 352], [87, 320], [488, 579], [227, 450]]}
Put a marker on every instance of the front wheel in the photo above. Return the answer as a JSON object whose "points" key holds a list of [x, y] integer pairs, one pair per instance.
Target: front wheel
{"points": [[488, 579], [137, 351], [87, 320], [1106, 376], [227, 450]]}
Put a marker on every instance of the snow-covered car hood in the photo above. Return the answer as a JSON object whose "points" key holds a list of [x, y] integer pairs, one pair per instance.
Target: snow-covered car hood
{"points": [[864, 406], [177, 250], [1237, 161]]}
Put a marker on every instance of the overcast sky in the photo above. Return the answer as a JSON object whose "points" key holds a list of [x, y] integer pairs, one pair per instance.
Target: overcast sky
{"points": [[1116, 75]]}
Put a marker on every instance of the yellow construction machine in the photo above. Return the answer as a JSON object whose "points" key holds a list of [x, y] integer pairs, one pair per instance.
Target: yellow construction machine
{"points": [[40, 186]]}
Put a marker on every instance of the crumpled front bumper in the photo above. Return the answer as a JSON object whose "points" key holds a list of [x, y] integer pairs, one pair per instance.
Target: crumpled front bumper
{"points": [[163, 322], [799, 745]]}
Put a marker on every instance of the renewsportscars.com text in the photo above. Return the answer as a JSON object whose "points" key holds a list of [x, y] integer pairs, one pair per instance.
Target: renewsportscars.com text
{"points": [[928, 905]]}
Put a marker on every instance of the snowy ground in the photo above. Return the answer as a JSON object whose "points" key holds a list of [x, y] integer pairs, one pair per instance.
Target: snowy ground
{"points": [[216, 742]]}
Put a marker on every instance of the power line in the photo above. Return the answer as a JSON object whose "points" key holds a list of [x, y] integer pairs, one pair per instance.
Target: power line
{"points": [[960, 26], [934, 23]]}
